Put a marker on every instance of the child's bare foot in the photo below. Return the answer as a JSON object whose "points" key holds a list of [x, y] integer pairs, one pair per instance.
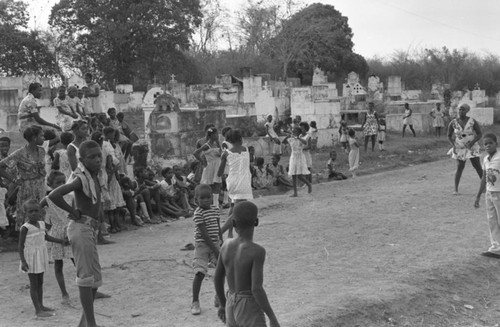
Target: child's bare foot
{"points": [[43, 314], [293, 195], [46, 309], [309, 188], [65, 300], [99, 295]]}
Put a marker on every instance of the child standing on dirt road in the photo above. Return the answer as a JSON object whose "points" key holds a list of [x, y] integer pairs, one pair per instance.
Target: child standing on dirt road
{"points": [[298, 164], [86, 184], [491, 181], [353, 153], [242, 262], [207, 236]]}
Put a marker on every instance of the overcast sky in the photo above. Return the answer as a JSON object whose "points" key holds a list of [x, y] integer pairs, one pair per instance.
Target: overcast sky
{"points": [[382, 26]]}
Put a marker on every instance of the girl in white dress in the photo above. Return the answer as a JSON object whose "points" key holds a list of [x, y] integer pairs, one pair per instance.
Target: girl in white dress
{"points": [[353, 153], [298, 164], [34, 254], [304, 126], [211, 162], [239, 178]]}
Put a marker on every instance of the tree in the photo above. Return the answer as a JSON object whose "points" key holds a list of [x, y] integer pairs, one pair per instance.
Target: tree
{"points": [[21, 52], [117, 38], [210, 30], [317, 36]]}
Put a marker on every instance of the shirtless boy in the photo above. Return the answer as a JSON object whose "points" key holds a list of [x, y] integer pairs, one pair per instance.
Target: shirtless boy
{"points": [[242, 261], [83, 227]]}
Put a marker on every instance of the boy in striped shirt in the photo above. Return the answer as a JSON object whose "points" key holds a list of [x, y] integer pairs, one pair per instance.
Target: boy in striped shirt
{"points": [[207, 236]]}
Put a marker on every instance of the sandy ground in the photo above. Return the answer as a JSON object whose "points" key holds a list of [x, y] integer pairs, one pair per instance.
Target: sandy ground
{"points": [[389, 249]]}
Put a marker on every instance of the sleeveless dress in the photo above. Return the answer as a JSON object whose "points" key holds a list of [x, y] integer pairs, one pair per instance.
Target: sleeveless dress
{"points": [[298, 163], [209, 175], [438, 118], [35, 250], [59, 220], [239, 185], [370, 127], [462, 136], [64, 166], [307, 153], [114, 189], [353, 155], [408, 120]]}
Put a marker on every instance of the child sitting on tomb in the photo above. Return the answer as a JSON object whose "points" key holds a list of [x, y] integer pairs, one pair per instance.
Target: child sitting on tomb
{"points": [[333, 174]]}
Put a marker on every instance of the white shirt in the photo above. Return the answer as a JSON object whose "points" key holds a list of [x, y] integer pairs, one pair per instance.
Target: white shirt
{"points": [[491, 165]]}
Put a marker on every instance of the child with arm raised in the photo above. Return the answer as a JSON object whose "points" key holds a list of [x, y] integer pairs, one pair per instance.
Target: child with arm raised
{"points": [[298, 165], [241, 262]]}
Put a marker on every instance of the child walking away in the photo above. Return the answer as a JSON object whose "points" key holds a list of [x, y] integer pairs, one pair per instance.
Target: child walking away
{"points": [[34, 254], [353, 153], [239, 185], [58, 219], [381, 133], [86, 184], [333, 174], [491, 182], [298, 165], [212, 151], [207, 235], [242, 262]]}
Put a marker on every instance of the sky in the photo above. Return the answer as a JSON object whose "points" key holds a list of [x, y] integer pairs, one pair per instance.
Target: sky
{"points": [[381, 27]]}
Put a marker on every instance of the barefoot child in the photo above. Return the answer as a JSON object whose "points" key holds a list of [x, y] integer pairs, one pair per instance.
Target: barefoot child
{"points": [[59, 220], [242, 262], [276, 171], [491, 181], [239, 184], [82, 229], [298, 165], [34, 254], [353, 153], [207, 235], [333, 174]]}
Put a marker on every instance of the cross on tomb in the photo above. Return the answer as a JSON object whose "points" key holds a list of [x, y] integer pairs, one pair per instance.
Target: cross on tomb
{"points": [[173, 79]]}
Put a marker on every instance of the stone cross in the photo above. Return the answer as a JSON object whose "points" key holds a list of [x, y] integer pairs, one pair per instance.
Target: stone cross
{"points": [[173, 79]]}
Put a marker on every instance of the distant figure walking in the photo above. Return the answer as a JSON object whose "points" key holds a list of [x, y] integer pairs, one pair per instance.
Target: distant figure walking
{"points": [[408, 120], [463, 134]]}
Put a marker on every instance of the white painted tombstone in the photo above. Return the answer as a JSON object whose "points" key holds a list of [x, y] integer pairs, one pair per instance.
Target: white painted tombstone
{"points": [[484, 116], [394, 87], [148, 103], [412, 95], [124, 88]]}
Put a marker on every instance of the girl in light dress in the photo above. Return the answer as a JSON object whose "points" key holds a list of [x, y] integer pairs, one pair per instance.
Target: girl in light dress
{"points": [[115, 193], [212, 153], [313, 132], [298, 165], [239, 184], [61, 161], [438, 119], [353, 153], [58, 219], [34, 254], [344, 135]]}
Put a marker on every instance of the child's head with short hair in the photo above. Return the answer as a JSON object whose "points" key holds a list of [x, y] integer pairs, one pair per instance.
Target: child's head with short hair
{"points": [[55, 179], [97, 137], [67, 138], [304, 126], [212, 134], [90, 156], [126, 183], [49, 135], [112, 113], [275, 159], [251, 149], [139, 171], [333, 155], [245, 216], [194, 165], [120, 116], [32, 210], [259, 161], [225, 130], [352, 133], [32, 133], [234, 137], [109, 133], [296, 131], [177, 170], [490, 143], [313, 124], [4, 146], [80, 129], [203, 196]]}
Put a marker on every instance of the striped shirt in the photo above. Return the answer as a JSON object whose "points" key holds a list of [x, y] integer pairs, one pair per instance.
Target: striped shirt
{"points": [[211, 219]]}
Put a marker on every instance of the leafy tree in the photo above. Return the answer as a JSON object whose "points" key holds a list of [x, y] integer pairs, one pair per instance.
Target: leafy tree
{"points": [[117, 38], [316, 36], [211, 29], [21, 52]]}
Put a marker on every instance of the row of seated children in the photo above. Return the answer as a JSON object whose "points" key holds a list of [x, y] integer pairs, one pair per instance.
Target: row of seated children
{"points": [[271, 174]]}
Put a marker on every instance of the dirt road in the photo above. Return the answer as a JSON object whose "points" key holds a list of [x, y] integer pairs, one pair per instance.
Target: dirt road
{"points": [[394, 248]]}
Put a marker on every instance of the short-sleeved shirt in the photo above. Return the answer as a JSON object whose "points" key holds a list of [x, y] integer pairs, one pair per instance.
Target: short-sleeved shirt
{"points": [[491, 165], [28, 106], [211, 218]]}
